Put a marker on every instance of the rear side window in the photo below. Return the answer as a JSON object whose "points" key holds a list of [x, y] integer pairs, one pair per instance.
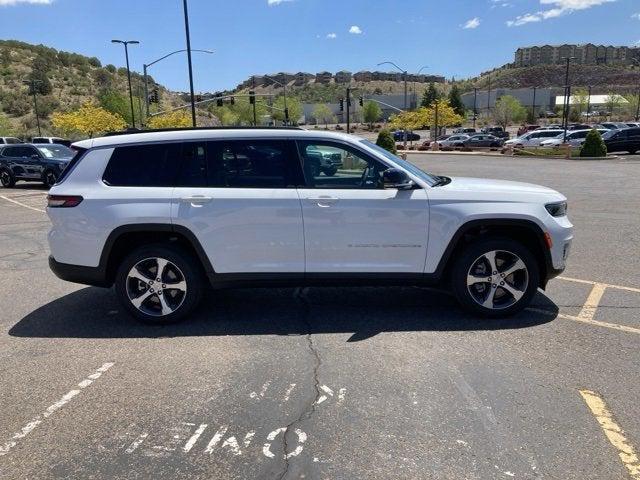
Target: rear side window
{"points": [[143, 166]]}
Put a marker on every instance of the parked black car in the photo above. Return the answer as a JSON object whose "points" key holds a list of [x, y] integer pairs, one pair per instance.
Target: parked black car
{"points": [[498, 132], [398, 136], [43, 162], [626, 140], [483, 140]]}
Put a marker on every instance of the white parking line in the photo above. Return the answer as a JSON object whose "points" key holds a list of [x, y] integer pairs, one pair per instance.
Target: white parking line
{"points": [[51, 409], [22, 204]]}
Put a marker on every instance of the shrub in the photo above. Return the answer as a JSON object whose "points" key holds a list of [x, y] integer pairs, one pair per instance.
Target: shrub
{"points": [[385, 140], [593, 145]]}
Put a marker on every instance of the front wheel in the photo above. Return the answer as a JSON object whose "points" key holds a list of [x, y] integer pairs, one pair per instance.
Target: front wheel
{"points": [[495, 277], [49, 178], [6, 179], [159, 284], [330, 171]]}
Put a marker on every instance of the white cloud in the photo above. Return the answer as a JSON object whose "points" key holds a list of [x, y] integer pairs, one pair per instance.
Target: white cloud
{"points": [[473, 23], [558, 9], [636, 16], [271, 3], [332, 35], [6, 3], [356, 30]]}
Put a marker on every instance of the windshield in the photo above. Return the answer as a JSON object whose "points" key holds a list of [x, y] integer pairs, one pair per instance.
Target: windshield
{"points": [[56, 151], [410, 167]]}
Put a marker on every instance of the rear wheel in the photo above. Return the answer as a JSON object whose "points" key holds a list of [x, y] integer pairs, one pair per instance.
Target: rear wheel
{"points": [[495, 277], [6, 179], [159, 284]]}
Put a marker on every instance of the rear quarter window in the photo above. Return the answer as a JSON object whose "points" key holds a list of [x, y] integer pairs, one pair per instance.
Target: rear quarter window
{"points": [[143, 166]]}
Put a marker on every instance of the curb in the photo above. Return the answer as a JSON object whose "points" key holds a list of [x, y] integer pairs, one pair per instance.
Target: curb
{"points": [[501, 155]]}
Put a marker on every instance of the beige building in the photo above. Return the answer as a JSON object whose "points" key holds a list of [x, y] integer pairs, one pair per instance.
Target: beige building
{"points": [[587, 54]]}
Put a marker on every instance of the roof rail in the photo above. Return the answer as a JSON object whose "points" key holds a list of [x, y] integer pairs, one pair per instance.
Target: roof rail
{"points": [[131, 131]]}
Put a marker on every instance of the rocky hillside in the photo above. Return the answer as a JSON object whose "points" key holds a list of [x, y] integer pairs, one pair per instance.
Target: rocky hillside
{"points": [[63, 81]]}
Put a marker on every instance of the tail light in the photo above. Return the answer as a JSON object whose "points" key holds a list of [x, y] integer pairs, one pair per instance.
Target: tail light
{"points": [[63, 201]]}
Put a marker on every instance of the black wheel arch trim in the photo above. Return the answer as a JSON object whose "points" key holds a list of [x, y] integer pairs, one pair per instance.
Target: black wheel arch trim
{"points": [[550, 271]]}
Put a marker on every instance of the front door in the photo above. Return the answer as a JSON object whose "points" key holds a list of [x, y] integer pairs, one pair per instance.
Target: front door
{"points": [[351, 223], [240, 200]]}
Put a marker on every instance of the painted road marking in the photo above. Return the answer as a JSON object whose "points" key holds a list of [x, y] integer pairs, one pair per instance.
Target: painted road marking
{"points": [[22, 204], [263, 391], [597, 323], [51, 409], [288, 392], [302, 437], [591, 305], [608, 285], [194, 438], [613, 432]]}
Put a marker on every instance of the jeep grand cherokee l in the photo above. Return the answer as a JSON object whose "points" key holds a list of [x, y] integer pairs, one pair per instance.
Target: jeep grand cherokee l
{"points": [[157, 214]]}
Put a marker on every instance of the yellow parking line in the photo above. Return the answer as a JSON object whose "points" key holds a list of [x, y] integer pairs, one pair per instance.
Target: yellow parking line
{"points": [[597, 323], [608, 285], [613, 432], [591, 305]]}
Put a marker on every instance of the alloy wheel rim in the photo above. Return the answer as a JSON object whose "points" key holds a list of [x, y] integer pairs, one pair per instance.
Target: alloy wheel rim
{"points": [[497, 279], [156, 287], [51, 179], [4, 178]]}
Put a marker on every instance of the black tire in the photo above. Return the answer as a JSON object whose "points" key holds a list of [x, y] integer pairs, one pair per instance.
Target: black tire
{"points": [[468, 258], [330, 172], [49, 178], [189, 268], [632, 152], [6, 178]]}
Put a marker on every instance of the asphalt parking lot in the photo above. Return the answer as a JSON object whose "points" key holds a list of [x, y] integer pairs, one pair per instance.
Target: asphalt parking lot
{"points": [[333, 383]]}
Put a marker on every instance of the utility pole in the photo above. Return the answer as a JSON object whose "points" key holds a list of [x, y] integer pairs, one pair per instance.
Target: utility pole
{"points": [[255, 115], [32, 86], [533, 106], [126, 44], [186, 29], [475, 106], [489, 98], [589, 103], [348, 110], [565, 111]]}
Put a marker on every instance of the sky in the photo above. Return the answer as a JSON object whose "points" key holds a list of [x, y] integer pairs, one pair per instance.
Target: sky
{"points": [[454, 38]]}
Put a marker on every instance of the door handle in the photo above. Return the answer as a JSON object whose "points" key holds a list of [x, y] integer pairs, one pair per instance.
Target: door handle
{"points": [[323, 202], [196, 199]]}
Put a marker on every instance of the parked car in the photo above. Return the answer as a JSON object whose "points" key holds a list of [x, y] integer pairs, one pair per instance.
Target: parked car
{"points": [[9, 140], [483, 140], [57, 140], [612, 125], [496, 132], [574, 138], [579, 126], [532, 139], [257, 215], [398, 136], [633, 124], [465, 131], [43, 163], [627, 140], [527, 128], [453, 141], [553, 126], [327, 162]]}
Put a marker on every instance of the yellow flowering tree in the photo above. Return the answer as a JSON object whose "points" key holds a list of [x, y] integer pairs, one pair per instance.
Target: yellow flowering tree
{"points": [[88, 120], [175, 119], [427, 116]]}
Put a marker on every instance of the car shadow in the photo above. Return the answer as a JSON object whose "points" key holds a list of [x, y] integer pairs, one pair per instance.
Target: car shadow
{"points": [[363, 312]]}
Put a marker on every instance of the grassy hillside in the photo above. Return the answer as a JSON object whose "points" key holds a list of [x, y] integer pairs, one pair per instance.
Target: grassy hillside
{"points": [[65, 81], [603, 78]]}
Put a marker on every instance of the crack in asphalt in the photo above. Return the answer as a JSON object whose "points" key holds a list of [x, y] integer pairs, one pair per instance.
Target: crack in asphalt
{"points": [[301, 295]]}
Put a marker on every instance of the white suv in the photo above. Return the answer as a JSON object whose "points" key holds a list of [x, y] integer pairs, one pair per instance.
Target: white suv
{"points": [[158, 213]]}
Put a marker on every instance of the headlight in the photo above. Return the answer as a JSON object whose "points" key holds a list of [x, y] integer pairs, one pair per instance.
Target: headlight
{"points": [[557, 209]]}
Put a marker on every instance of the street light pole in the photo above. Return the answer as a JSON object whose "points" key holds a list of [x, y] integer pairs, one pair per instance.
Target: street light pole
{"points": [[284, 89], [32, 84], [126, 44], [589, 104], [475, 106], [147, 65], [533, 106], [186, 29], [565, 112]]}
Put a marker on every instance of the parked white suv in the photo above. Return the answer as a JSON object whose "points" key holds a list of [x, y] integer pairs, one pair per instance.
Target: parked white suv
{"points": [[158, 213]]}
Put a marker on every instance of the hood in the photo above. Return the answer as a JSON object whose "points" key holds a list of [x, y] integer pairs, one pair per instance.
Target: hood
{"points": [[477, 185]]}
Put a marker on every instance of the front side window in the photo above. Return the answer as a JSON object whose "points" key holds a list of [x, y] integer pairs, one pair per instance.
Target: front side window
{"points": [[143, 166], [333, 165]]}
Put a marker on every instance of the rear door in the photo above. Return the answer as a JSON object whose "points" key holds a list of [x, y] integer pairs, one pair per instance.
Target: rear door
{"points": [[240, 200], [352, 224], [634, 139]]}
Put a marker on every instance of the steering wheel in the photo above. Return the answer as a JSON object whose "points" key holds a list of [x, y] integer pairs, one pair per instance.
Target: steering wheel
{"points": [[365, 175]]}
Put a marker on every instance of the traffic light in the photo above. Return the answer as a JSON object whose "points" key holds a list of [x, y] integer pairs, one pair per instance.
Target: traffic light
{"points": [[342, 104], [233, 101], [362, 101], [252, 97], [219, 102]]}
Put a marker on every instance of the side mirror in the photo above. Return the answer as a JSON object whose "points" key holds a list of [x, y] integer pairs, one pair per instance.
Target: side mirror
{"points": [[397, 179]]}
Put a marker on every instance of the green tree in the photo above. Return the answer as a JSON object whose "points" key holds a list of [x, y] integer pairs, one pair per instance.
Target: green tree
{"points": [[117, 103], [455, 100], [430, 96], [580, 99], [294, 106], [5, 126], [593, 145], [41, 82], [612, 102], [95, 62], [632, 106], [386, 141], [507, 110], [111, 68], [371, 113], [323, 114]]}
